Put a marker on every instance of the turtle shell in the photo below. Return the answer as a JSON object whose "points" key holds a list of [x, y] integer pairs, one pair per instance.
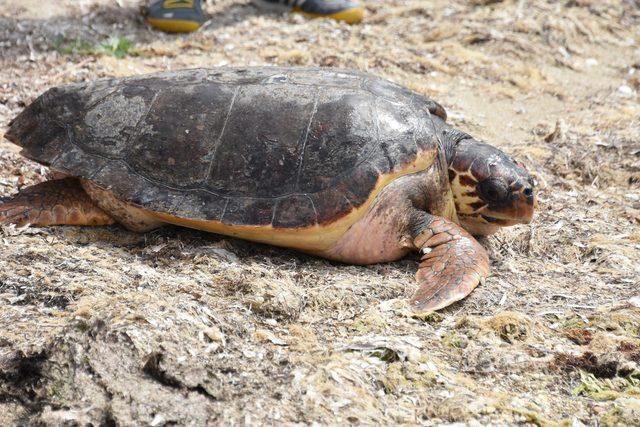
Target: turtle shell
{"points": [[260, 146]]}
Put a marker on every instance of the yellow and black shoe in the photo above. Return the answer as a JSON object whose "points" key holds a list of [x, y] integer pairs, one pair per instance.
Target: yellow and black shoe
{"points": [[175, 16], [341, 10]]}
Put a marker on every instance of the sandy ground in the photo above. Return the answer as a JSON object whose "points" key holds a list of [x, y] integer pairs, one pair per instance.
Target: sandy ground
{"points": [[105, 326]]}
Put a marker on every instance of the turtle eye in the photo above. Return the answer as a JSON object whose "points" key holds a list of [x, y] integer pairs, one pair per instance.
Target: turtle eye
{"points": [[493, 190]]}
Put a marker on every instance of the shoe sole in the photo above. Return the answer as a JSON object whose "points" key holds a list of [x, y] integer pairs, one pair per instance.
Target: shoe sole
{"points": [[174, 25], [350, 16]]}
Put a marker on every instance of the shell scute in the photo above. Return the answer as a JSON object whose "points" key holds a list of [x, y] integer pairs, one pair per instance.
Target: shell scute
{"points": [[174, 145], [247, 211], [200, 204], [82, 164], [330, 205], [108, 126], [258, 153], [295, 211], [341, 137], [358, 185]]}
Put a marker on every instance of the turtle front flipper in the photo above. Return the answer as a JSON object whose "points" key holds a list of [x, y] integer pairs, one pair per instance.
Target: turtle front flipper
{"points": [[452, 265], [55, 202]]}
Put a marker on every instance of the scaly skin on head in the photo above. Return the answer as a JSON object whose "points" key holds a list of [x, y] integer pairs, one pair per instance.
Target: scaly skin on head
{"points": [[491, 190]]}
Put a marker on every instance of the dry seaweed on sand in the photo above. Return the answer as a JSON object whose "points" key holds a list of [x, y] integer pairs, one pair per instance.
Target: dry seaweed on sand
{"points": [[106, 326]]}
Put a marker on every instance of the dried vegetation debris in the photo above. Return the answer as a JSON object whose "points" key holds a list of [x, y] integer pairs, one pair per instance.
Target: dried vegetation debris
{"points": [[106, 326]]}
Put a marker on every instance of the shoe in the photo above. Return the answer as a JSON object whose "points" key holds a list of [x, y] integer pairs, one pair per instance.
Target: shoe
{"points": [[176, 16], [349, 11]]}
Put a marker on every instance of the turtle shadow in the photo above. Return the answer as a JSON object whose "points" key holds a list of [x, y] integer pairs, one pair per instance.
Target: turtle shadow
{"points": [[174, 244]]}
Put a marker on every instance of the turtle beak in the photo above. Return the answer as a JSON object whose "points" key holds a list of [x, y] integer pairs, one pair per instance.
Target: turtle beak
{"points": [[520, 211], [527, 204]]}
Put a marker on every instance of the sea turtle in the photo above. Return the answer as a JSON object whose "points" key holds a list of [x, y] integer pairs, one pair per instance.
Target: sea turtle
{"points": [[340, 164]]}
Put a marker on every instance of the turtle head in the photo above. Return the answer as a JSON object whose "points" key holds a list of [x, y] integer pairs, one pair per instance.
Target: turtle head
{"points": [[490, 188]]}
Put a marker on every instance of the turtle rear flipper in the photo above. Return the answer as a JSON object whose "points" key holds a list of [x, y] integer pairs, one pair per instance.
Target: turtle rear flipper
{"points": [[56, 202], [453, 264]]}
